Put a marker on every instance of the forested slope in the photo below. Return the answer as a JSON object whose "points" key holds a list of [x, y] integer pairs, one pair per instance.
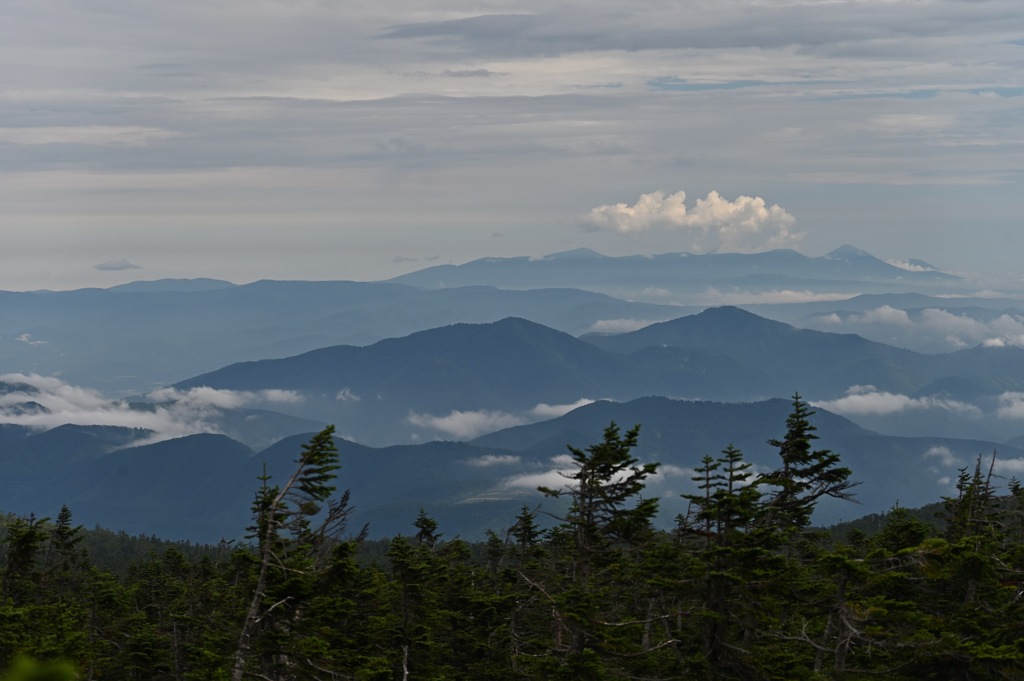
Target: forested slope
{"points": [[742, 588]]}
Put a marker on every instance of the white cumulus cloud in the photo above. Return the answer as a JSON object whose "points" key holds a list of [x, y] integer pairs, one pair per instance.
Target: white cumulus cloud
{"points": [[885, 314], [713, 223]]}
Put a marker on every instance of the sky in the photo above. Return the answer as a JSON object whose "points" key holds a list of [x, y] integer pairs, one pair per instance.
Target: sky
{"points": [[360, 140]]}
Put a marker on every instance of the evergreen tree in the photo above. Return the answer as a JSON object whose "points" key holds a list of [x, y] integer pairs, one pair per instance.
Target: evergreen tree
{"points": [[602, 529], [291, 553], [805, 476]]}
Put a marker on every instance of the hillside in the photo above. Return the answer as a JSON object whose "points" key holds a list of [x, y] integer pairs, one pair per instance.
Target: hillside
{"points": [[201, 487]]}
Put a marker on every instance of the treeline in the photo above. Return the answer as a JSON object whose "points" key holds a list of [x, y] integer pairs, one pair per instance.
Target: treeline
{"points": [[742, 588]]}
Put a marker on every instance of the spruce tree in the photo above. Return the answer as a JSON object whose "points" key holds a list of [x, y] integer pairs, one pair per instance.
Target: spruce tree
{"points": [[291, 552]]}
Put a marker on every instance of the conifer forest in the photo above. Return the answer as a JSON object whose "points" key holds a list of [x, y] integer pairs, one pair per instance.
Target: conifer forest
{"points": [[743, 586]]}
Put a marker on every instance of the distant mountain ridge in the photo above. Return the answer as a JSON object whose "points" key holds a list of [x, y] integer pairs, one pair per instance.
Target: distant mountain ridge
{"points": [[201, 487], [405, 388], [616, 275], [109, 338]]}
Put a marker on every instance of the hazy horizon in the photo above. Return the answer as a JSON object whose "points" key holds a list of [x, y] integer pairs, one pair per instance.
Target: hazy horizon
{"points": [[257, 140]]}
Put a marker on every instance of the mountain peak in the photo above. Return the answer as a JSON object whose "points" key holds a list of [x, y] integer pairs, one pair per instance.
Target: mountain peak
{"points": [[574, 254], [730, 314], [847, 252]]}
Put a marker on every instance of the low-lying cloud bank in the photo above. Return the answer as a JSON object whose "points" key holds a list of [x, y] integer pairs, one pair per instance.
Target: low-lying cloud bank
{"points": [[866, 400], [45, 402], [745, 225], [956, 330], [946, 464], [466, 425]]}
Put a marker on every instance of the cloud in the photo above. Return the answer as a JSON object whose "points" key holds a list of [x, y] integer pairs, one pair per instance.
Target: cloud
{"points": [[910, 266], [494, 460], [550, 411], [256, 135], [1011, 405], [955, 330], [94, 135], [561, 468], [555, 477], [672, 471], [466, 425], [960, 326], [277, 396], [470, 73], [714, 223], [619, 325], [1005, 330], [346, 395], [201, 396], [866, 400], [29, 340], [225, 399], [1013, 467], [944, 455], [885, 314], [715, 297], [116, 265], [174, 413], [947, 459]]}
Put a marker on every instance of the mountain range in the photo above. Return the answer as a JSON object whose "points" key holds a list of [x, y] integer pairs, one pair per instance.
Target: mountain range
{"points": [[433, 383], [200, 487], [642, 277], [141, 336], [108, 338], [462, 395]]}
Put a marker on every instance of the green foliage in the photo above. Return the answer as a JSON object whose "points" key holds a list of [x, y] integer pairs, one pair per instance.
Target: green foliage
{"points": [[742, 589], [806, 474], [25, 669]]}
